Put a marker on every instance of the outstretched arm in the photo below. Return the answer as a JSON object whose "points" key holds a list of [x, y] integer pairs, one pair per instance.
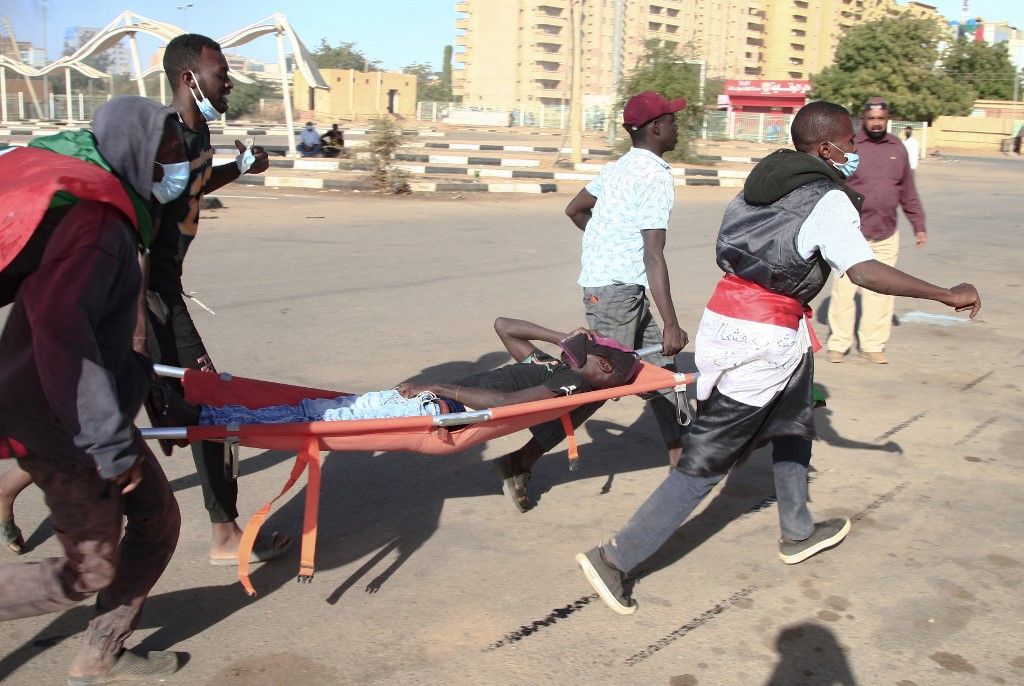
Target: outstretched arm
{"points": [[881, 278]]}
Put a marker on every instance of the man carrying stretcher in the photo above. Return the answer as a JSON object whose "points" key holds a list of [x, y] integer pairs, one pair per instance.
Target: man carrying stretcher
{"points": [[588, 362]]}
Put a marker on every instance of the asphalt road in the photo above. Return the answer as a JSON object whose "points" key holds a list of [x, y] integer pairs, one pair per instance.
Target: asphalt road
{"points": [[426, 574]]}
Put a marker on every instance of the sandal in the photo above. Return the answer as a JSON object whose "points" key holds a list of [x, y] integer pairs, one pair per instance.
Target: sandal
{"points": [[11, 536]]}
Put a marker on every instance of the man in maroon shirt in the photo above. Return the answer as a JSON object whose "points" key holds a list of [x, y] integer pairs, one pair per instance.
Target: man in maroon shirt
{"points": [[885, 179]]}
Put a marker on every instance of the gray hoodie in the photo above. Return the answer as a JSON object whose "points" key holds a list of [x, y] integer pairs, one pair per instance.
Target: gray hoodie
{"points": [[70, 383]]}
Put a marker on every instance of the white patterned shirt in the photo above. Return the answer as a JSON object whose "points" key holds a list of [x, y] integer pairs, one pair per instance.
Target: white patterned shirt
{"points": [[634, 194]]}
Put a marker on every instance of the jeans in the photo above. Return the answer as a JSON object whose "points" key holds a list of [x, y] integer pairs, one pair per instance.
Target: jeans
{"points": [[373, 405], [672, 502]]}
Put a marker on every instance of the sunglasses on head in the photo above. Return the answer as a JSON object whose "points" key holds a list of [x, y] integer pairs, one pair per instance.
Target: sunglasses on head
{"points": [[876, 106]]}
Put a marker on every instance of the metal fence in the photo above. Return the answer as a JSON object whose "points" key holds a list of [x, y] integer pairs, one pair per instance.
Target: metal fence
{"points": [[21, 108], [595, 117]]}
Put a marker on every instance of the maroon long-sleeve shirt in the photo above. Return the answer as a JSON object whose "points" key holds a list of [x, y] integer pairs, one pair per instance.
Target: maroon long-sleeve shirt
{"points": [[886, 181], [70, 384]]}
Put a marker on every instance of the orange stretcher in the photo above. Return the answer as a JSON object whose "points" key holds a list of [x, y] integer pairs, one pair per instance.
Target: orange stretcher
{"points": [[433, 435]]}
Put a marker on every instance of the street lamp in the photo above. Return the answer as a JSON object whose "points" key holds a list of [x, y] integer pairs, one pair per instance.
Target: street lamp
{"points": [[184, 8]]}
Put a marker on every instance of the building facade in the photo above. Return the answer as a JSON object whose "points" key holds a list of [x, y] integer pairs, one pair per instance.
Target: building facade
{"points": [[519, 52], [354, 95]]}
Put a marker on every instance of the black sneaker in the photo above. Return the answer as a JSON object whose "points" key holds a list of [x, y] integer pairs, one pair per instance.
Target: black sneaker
{"points": [[826, 534], [513, 484], [606, 580]]}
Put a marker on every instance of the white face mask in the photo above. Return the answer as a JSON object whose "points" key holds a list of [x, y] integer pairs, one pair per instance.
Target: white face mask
{"points": [[173, 184], [206, 107]]}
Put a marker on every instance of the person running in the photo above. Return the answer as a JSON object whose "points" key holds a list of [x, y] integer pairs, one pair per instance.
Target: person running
{"points": [[794, 222], [71, 385], [199, 77]]}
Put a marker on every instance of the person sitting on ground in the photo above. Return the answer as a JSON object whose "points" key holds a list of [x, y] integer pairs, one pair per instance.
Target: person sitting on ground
{"points": [[309, 140], [589, 362], [334, 137]]}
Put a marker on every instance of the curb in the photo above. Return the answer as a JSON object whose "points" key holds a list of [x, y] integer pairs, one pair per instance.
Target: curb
{"points": [[415, 186]]}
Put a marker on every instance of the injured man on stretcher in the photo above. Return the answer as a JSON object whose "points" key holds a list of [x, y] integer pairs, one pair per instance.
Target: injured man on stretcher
{"points": [[588, 362]]}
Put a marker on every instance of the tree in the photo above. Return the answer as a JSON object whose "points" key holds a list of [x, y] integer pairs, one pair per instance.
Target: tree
{"points": [[664, 70], [245, 97], [432, 86], [894, 58], [383, 141], [985, 68], [446, 70], [343, 56]]}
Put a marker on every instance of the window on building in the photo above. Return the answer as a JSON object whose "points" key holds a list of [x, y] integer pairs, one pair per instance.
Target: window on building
{"points": [[802, 4], [655, 9], [799, 47], [752, 71], [796, 61], [669, 44], [800, 33], [653, 26], [671, 28], [672, 12], [796, 74], [799, 19]]}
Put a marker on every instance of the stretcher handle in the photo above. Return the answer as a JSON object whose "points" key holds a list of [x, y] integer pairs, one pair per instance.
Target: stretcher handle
{"points": [[649, 350], [170, 433], [169, 371]]}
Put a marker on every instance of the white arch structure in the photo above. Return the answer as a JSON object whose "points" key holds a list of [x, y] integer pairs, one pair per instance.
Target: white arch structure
{"points": [[129, 24]]}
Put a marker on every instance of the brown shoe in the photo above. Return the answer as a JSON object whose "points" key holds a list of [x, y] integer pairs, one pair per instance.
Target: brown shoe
{"points": [[836, 357], [876, 357]]}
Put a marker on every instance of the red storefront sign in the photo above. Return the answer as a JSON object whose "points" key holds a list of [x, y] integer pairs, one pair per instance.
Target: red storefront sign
{"points": [[758, 95]]}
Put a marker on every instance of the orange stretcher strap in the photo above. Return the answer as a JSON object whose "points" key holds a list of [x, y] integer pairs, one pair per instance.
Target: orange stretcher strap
{"points": [[570, 439], [309, 519], [309, 453]]}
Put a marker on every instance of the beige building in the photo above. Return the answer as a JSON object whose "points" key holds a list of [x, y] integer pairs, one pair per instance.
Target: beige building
{"points": [[519, 52], [354, 95]]}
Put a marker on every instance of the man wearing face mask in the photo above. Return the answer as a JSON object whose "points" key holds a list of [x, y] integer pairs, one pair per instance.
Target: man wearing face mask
{"points": [[886, 180], [70, 383], [198, 73], [794, 222]]}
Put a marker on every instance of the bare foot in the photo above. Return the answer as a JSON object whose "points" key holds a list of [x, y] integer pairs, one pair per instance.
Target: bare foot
{"points": [[91, 662], [227, 536]]}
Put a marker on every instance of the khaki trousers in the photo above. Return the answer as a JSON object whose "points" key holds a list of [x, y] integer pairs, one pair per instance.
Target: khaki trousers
{"points": [[875, 309]]}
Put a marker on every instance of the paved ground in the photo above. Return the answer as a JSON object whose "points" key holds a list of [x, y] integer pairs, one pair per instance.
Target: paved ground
{"points": [[426, 575]]}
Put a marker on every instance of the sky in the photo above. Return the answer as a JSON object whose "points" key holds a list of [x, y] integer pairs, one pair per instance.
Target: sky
{"points": [[396, 32]]}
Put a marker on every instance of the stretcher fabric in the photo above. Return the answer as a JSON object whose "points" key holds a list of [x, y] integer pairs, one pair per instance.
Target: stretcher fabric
{"points": [[414, 434]]}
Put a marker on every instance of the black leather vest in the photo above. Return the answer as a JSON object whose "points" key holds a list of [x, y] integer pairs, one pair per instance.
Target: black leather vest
{"points": [[758, 242]]}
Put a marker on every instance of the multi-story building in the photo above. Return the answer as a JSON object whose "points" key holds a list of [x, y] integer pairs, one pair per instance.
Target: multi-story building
{"points": [[516, 52]]}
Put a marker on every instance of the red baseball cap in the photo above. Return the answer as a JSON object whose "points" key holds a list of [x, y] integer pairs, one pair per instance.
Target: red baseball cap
{"points": [[643, 107]]}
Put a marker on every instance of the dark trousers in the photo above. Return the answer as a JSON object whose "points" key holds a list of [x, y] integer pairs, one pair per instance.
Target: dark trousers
{"points": [[87, 514], [174, 340]]}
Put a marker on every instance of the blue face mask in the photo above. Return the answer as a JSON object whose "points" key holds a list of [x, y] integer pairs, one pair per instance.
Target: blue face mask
{"points": [[206, 107], [848, 167], [173, 184]]}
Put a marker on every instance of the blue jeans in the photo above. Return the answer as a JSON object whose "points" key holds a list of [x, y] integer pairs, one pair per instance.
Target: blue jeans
{"points": [[672, 502], [373, 405]]}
